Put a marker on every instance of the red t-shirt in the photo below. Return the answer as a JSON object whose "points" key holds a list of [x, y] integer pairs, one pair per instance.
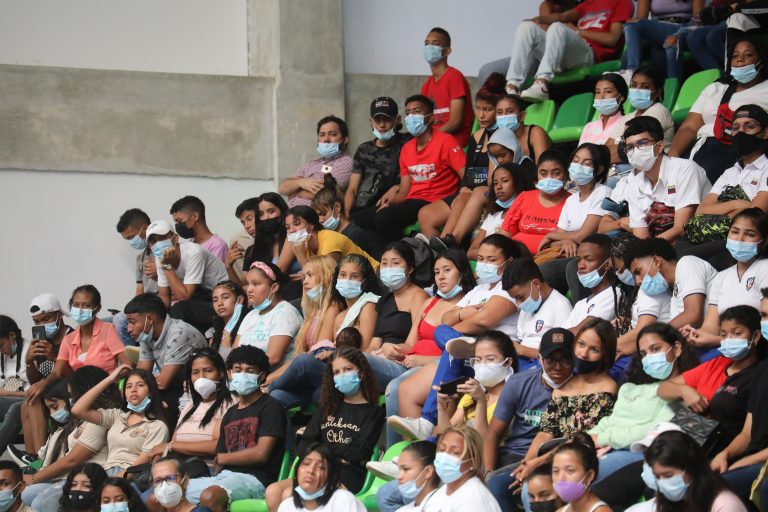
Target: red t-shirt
{"points": [[708, 377], [527, 220], [434, 170], [451, 86], [598, 15]]}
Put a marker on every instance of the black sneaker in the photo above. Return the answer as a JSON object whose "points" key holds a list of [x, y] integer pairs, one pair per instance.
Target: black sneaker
{"points": [[442, 244], [20, 457]]}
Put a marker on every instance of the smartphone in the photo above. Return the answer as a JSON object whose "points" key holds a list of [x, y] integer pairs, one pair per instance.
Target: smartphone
{"points": [[38, 332], [449, 388]]}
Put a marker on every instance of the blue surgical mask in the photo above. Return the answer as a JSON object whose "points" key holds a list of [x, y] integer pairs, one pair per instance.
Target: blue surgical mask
{"points": [[432, 53], [115, 507], [648, 477], [159, 247], [673, 488], [549, 185], [347, 383], [640, 98], [141, 406], [309, 496], [349, 288], [331, 223], [744, 74], [393, 277], [626, 277], [451, 293], [530, 305], [384, 136], [764, 329], [487, 273], [409, 490], [144, 337], [505, 204], [657, 366], [51, 329], [244, 383], [7, 498], [581, 174], [82, 316], [734, 348], [654, 285], [606, 106], [591, 279], [61, 415], [414, 123], [315, 293], [742, 251], [328, 149], [448, 467], [235, 317], [138, 243], [508, 121], [264, 305]]}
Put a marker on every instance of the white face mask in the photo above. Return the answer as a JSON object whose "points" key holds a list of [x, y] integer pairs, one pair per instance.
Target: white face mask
{"points": [[169, 494], [206, 387], [297, 236], [642, 159], [490, 374]]}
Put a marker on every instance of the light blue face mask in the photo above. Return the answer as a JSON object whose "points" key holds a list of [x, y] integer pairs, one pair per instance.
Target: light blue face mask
{"points": [[640, 98], [745, 74], [432, 53], [591, 279], [549, 185], [448, 467], [409, 490], [505, 204], [138, 243], [328, 149], [144, 337], [81, 315], [235, 317], [393, 277], [673, 488], [51, 329], [115, 507], [315, 293], [648, 477], [626, 277], [244, 383], [264, 305], [348, 288], [742, 251], [347, 383], [414, 123], [487, 273], [581, 174], [141, 406], [7, 499], [530, 305], [508, 121], [309, 496], [331, 223], [735, 349], [60, 416], [606, 106], [764, 329], [657, 366], [451, 293], [384, 137], [653, 285], [159, 247]]}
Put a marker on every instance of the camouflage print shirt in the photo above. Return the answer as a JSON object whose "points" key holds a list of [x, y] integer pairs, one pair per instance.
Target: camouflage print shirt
{"points": [[379, 168]]}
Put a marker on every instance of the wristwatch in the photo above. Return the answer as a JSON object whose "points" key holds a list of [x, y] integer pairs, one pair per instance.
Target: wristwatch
{"points": [[166, 266]]}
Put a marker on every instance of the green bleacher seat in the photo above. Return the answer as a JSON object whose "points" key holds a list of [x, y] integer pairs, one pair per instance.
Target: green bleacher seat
{"points": [[541, 114], [609, 66], [574, 113], [369, 497], [690, 91], [572, 75], [671, 88], [413, 228]]}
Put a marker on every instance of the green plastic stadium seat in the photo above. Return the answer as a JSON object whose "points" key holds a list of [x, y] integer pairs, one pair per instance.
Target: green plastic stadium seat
{"points": [[413, 228], [369, 497], [671, 89], [261, 505], [541, 114], [609, 66], [690, 91], [572, 75], [574, 113]]}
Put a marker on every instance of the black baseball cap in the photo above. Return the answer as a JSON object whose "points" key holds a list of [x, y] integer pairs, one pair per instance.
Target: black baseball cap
{"points": [[556, 339], [384, 106], [753, 112]]}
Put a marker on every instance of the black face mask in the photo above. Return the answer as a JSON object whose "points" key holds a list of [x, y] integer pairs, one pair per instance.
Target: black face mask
{"points": [[184, 231], [584, 367], [544, 506], [269, 226], [81, 500], [744, 143]]}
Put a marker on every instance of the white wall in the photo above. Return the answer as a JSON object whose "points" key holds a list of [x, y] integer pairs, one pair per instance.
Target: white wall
{"points": [[176, 36], [386, 37], [59, 229]]}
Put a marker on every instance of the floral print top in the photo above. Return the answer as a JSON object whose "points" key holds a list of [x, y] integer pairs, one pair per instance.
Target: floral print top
{"points": [[566, 415]]}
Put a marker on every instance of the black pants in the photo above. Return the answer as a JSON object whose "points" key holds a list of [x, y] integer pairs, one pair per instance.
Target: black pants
{"points": [[366, 219], [623, 488], [391, 221], [713, 252], [196, 313]]}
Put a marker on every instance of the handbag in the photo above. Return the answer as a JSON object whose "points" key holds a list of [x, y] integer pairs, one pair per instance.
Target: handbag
{"points": [[659, 218], [707, 228], [704, 431], [547, 255]]}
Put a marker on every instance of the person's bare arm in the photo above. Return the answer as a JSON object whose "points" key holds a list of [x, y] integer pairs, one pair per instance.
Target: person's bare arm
{"points": [[276, 349], [366, 324], [258, 454], [453, 125], [569, 16], [677, 230], [540, 141], [693, 311], [676, 389], [144, 365], [589, 227], [180, 290], [685, 136], [488, 317], [76, 456], [627, 342], [710, 206], [641, 233], [139, 288], [402, 192], [165, 295], [643, 9], [496, 430], [295, 185], [474, 248], [167, 374]]}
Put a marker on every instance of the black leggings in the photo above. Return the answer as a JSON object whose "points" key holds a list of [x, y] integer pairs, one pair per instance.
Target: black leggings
{"points": [[391, 221]]}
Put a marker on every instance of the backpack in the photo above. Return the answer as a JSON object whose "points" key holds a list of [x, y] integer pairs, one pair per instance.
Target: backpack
{"points": [[422, 273]]}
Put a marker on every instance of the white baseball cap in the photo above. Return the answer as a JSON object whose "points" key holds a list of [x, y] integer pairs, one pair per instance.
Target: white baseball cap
{"points": [[664, 426], [159, 227], [45, 303]]}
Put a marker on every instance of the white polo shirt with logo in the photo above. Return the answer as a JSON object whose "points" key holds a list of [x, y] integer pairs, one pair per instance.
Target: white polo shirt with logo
{"points": [[692, 275], [752, 178], [553, 313], [729, 289]]}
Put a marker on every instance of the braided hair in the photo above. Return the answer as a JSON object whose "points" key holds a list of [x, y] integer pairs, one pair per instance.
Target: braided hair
{"points": [[7, 326], [620, 247]]}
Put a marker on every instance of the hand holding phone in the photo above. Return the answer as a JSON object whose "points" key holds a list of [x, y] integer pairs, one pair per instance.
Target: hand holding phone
{"points": [[38, 332], [449, 388]]}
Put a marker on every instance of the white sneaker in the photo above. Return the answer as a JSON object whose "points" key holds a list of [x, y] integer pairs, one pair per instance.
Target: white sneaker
{"points": [[512, 88], [415, 429], [385, 470], [537, 92], [422, 237], [626, 74]]}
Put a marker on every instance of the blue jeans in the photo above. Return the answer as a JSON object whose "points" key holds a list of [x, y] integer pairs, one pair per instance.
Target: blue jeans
{"points": [[296, 386], [740, 480], [448, 369], [707, 45], [618, 371], [389, 374], [43, 497], [614, 461], [498, 483], [388, 498], [239, 486], [653, 32]]}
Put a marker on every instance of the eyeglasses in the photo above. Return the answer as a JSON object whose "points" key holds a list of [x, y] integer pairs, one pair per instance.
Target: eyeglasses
{"points": [[473, 361], [170, 479], [641, 144]]}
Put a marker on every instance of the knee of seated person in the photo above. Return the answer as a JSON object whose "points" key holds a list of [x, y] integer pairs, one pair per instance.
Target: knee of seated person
{"points": [[273, 495], [527, 27], [215, 498], [556, 27]]}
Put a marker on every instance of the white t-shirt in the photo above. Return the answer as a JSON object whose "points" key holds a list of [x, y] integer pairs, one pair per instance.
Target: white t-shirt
{"points": [[681, 183], [621, 191], [709, 101], [341, 501], [480, 294], [427, 505], [657, 110], [602, 305], [553, 313], [726, 501], [753, 178], [492, 223], [692, 275], [9, 365], [728, 290], [648, 305], [473, 495], [575, 211], [196, 266], [282, 320]]}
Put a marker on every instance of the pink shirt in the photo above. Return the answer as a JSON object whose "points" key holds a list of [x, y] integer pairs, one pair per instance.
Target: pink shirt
{"points": [[216, 246], [105, 347], [595, 133]]}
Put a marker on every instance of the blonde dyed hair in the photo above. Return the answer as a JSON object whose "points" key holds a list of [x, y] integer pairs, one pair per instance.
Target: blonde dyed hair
{"points": [[324, 268], [473, 446]]}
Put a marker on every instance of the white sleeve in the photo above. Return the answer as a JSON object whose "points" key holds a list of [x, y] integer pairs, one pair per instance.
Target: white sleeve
{"points": [[721, 183], [596, 201], [705, 99], [194, 264], [691, 183], [162, 281], [605, 308], [560, 315], [763, 186], [648, 305], [562, 222], [285, 322], [691, 277], [636, 213], [714, 291]]}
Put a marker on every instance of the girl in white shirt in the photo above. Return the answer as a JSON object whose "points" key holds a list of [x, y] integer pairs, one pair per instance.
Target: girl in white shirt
{"points": [[417, 478]]}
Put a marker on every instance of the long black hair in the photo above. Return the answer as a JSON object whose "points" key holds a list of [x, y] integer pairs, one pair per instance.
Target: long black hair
{"points": [[223, 396], [155, 409], [7, 326], [688, 357], [621, 245], [330, 397], [97, 477], [521, 182], [461, 262], [370, 281], [134, 500], [268, 231], [332, 482], [219, 323]]}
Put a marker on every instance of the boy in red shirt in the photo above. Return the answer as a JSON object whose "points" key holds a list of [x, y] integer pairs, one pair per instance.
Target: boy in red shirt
{"points": [[598, 36], [431, 167], [447, 88]]}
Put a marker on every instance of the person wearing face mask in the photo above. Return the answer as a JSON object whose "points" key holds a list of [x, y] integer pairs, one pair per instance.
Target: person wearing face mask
{"points": [[328, 203], [247, 213], [197, 431], [355, 285], [431, 168], [708, 125], [533, 139], [11, 486], [13, 375], [170, 479], [683, 480], [118, 495], [664, 194], [189, 215], [417, 479], [574, 469], [132, 430], [82, 488], [251, 438], [332, 141], [610, 94], [348, 421], [541, 493], [231, 307]]}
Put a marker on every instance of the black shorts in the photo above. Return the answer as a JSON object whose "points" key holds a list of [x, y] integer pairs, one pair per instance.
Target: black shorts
{"points": [[449, 199]]}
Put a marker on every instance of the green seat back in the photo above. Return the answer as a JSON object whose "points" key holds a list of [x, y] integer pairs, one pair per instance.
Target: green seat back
{"points": [[671, 88], [369, 497], [541, 114], [572, 75], [690, 91], [574, 113]]}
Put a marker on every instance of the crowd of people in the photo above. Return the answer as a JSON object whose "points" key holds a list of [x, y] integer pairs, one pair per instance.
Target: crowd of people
{"points": [[581, 331]]}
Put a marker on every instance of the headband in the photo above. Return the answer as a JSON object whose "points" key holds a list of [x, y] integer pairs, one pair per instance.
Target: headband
{"points": [[264, 268]]}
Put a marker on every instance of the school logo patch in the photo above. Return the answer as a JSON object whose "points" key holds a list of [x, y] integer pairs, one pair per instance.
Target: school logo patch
{"points": [[754, 181], [671, 189], [675, 290], [750, 283], [540, 326]]}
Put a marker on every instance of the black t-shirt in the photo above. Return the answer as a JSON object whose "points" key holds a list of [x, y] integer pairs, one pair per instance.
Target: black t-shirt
{"points": [[729, 403], [352, 434], [758, 398], [357, 235], [476, 173], [380, 169], [392, 325], [242, 428]]}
